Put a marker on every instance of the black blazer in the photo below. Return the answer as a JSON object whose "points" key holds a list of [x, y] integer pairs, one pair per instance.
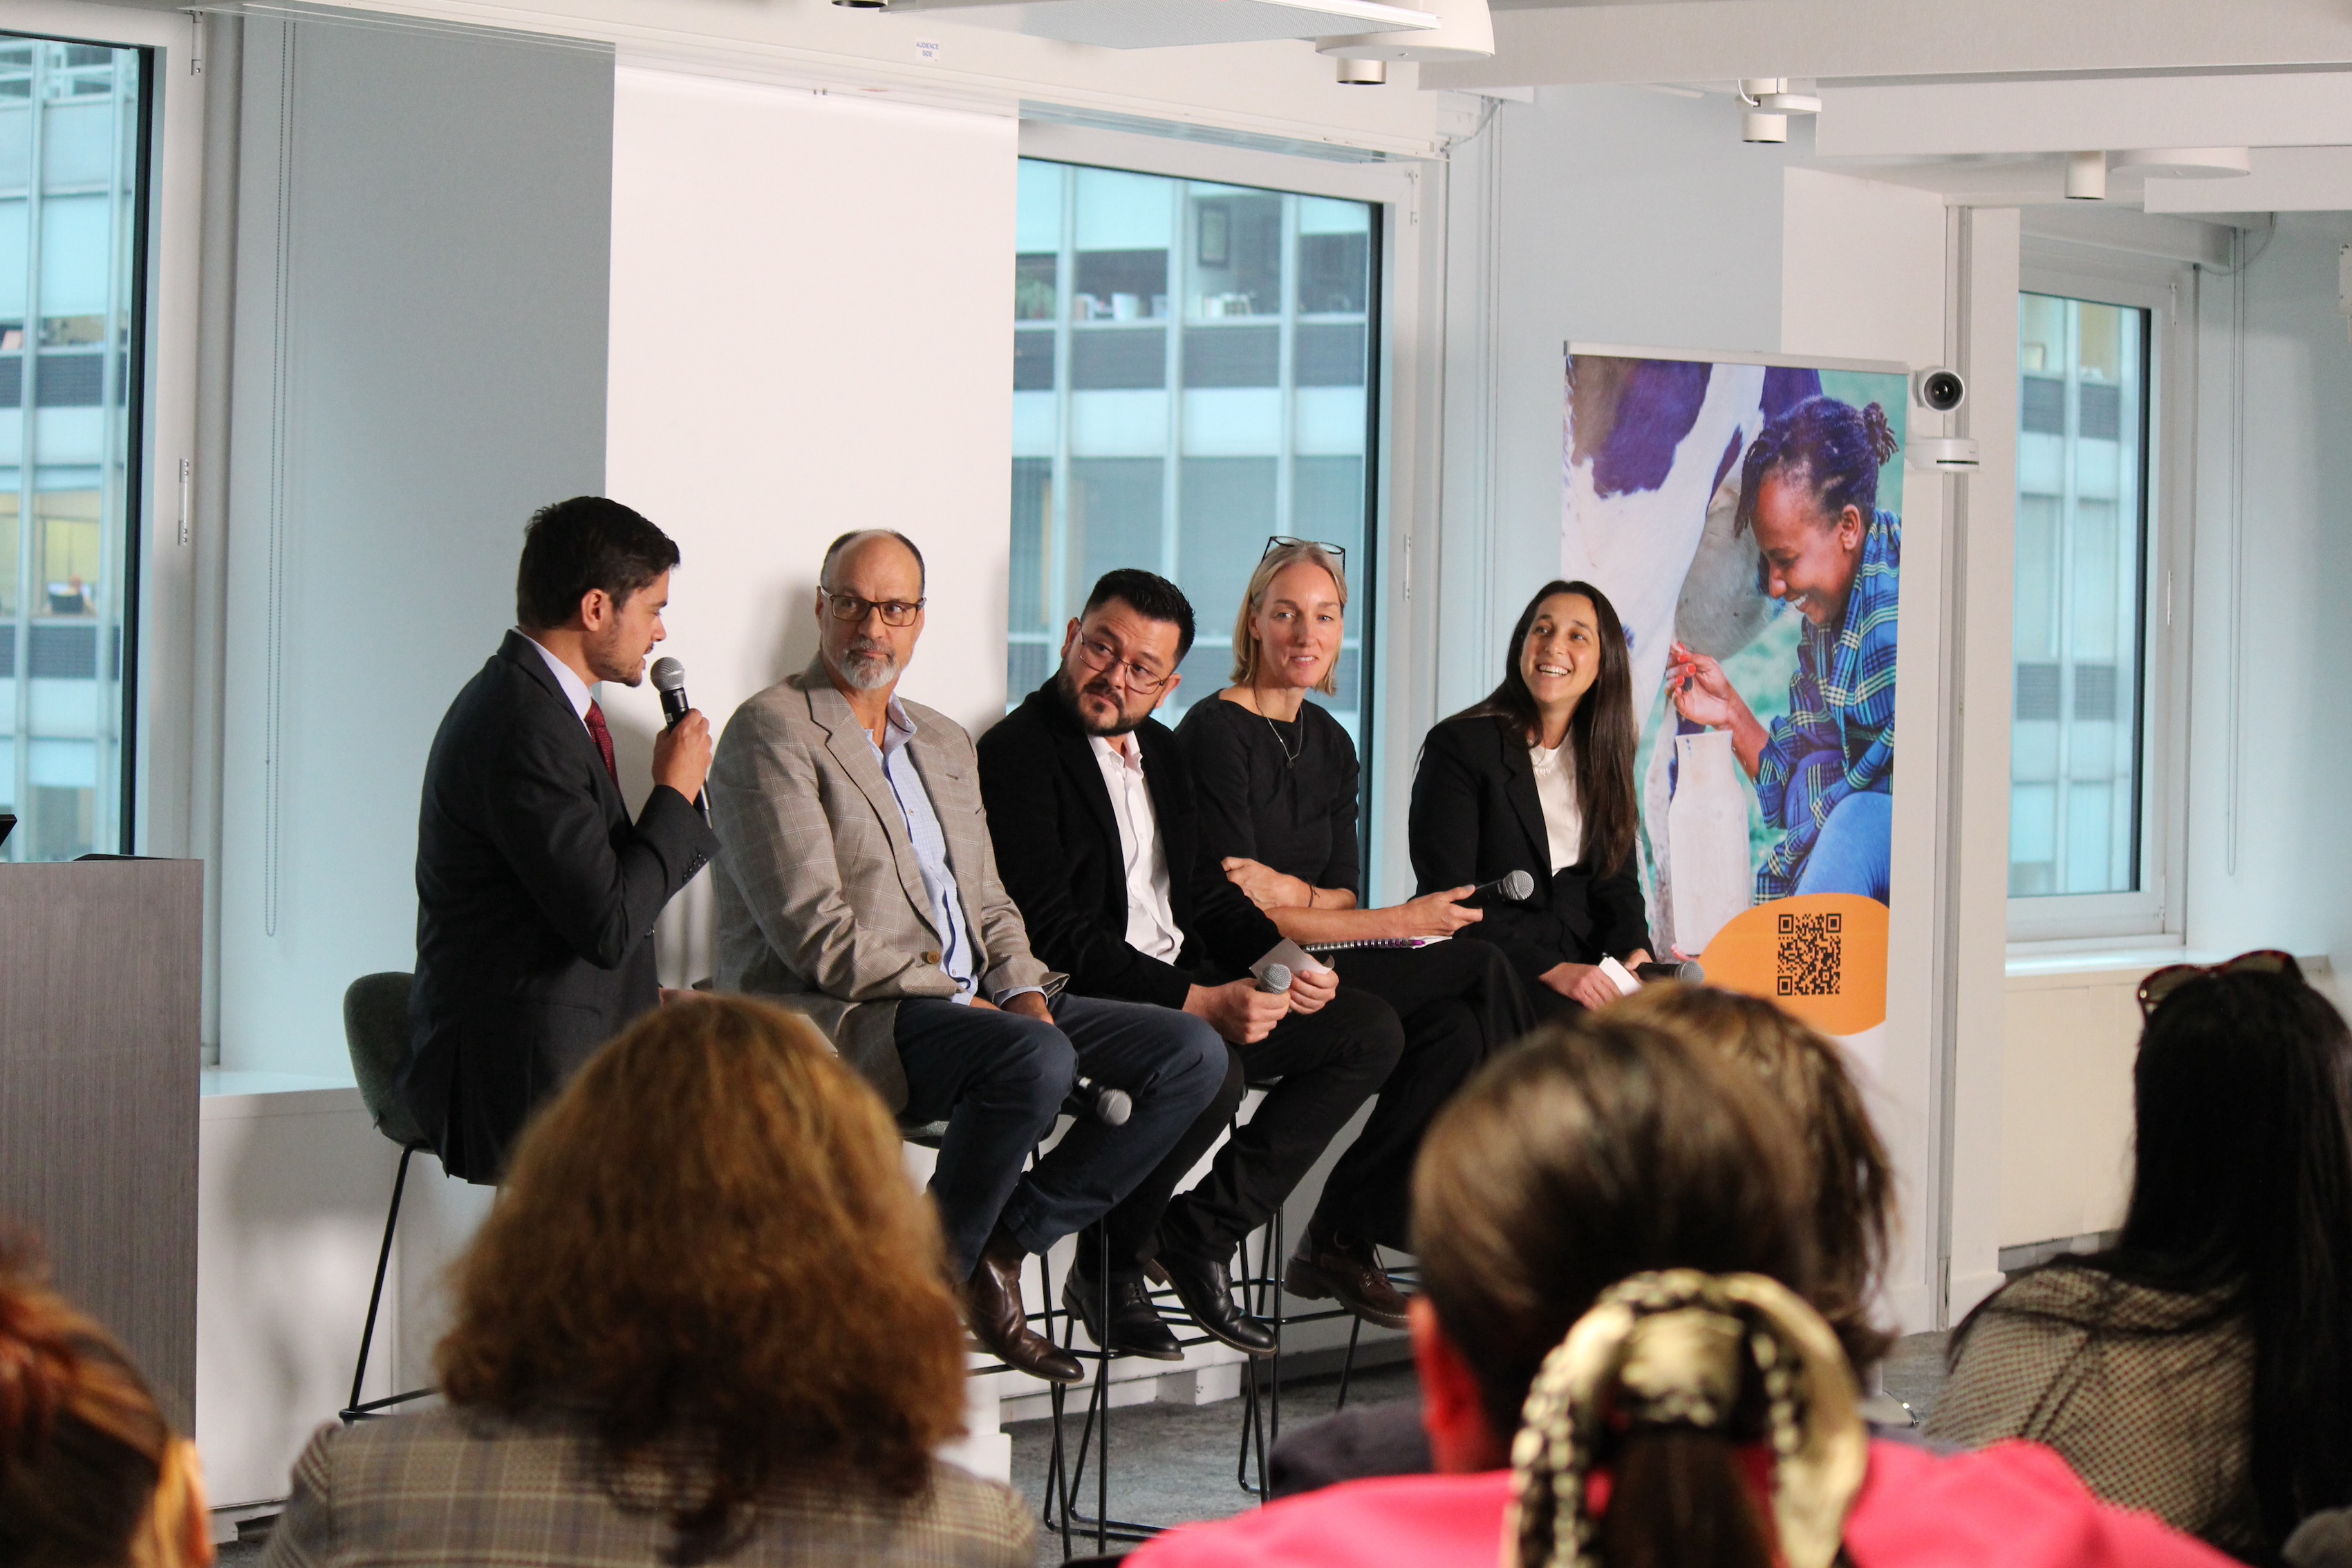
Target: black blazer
{"points": [[1475, 817], [1057, 848], [535, 901]]}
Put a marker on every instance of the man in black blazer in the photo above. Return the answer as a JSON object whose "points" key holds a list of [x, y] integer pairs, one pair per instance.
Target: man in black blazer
{"points": [[1117, 895], [535, 893]]}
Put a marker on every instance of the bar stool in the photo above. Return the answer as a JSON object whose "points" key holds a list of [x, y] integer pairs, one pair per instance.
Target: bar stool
{"points": [[375, 1029]]}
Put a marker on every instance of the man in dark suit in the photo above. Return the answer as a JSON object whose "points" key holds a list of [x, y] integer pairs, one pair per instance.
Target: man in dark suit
{"points": [[1091, 807], [536, 895]]}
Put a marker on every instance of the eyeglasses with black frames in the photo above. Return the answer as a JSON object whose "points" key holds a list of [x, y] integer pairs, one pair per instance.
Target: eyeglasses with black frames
{"points": [[850, 607]]}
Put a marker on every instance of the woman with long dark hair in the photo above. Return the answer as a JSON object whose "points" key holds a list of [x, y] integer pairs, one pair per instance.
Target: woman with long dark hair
{"points": [[1824, 771], [1275, 776], [2201, 1368], [1618, 1367], [1539, 778]]}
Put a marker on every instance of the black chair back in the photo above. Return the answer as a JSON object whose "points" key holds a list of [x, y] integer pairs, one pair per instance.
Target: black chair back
{"points": [[376, 1026]]}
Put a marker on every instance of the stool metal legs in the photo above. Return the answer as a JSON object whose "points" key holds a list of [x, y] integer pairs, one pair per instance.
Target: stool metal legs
{"points": [[355, 1411]]}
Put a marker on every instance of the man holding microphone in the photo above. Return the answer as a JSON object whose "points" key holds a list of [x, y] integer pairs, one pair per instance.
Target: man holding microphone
{"points": [[535, 892]]}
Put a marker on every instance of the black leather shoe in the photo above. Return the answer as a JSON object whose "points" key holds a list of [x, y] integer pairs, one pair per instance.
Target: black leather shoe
{"points": [[1135, 1325], [991, 1309], [1207, 1291], [1329, 1265]]}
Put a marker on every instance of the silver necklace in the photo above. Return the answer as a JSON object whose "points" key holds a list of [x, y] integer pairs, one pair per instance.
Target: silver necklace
{"points": [[1289, 757]]}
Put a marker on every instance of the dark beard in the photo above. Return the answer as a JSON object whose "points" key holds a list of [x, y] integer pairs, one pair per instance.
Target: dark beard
{"points": [[1065, 691]]}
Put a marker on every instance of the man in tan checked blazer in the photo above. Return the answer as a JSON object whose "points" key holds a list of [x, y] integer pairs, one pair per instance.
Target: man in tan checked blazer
{"points": [[855, 882]]}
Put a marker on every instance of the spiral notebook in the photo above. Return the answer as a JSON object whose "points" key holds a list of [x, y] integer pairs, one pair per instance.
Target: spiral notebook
{"points": [[1323, 947]]}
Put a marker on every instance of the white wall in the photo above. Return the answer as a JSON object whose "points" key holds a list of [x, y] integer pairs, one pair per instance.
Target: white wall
{"points": [[1607, 215], [2285, 623], [420, 358], [811, 332]]}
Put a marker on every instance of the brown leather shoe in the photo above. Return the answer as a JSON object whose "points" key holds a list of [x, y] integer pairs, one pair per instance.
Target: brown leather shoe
{"points": [[1329, 1266], [992, 1309]]}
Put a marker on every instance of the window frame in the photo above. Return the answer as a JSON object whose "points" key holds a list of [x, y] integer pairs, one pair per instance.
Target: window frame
{"points": [[2167, 290], [1379, 593]]}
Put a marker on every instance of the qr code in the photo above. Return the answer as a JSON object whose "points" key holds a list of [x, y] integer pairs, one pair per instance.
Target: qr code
{"points": [[1811, 952]]}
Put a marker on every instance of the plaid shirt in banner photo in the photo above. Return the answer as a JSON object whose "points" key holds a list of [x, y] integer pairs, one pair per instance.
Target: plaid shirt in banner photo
{"points": [[1838, 738]]}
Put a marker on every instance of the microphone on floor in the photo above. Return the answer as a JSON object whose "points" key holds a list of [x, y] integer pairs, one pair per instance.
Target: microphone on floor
{"points": [[668, 677], [1109, 1106], [1514, 886]]}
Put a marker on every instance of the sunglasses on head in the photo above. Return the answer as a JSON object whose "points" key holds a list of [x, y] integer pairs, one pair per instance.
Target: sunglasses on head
{"points": [[1336, 552], [2173, 976]]}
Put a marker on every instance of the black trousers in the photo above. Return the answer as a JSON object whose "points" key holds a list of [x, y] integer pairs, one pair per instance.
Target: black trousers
{"points": [[1329, 1062], [1461, 1002]]}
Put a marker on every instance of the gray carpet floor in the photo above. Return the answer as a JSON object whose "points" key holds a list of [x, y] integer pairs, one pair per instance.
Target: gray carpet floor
{"points": [[1172, 1463]]}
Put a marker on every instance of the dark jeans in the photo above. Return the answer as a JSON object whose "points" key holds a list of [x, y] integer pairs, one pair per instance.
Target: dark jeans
{"points": [[1461, 1002], [998, 1080], [1329, 1062]]}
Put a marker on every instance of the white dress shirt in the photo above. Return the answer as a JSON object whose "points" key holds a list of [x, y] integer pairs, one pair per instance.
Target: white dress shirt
{"points": [[565, 676], [1151, 918], [1555, 788]]}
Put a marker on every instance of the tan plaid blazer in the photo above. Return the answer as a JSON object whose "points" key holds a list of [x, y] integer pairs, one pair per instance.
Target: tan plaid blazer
{"points": [[820, 899], [451, 1487]]}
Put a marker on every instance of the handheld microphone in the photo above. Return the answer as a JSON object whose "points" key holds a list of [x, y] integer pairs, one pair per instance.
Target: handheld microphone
{"points": [[1274, 978], [1110, 1106], [1684, 970], [1515, 886], [669, 680]]}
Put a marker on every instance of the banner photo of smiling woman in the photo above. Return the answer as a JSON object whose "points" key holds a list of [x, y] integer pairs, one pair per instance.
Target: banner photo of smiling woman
{"points": [[1746, 519]]}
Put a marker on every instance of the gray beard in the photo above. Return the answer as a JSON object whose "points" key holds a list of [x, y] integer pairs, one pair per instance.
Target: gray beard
{"points": [[868, 671]]}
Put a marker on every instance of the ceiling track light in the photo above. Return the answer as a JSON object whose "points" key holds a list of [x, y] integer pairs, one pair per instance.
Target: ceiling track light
{"points": [[1364, 73], [1767, 105], [2086, 177]]}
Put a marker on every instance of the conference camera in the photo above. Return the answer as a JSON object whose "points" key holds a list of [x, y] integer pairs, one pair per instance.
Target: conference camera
{"points": [[1939, 389]]}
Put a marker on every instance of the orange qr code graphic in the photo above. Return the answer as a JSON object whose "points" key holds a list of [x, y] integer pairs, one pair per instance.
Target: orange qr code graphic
{"points": [[1810, 953]]}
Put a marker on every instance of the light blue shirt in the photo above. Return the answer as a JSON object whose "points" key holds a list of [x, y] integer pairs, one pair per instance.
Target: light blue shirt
{"points": [[930, 849]]}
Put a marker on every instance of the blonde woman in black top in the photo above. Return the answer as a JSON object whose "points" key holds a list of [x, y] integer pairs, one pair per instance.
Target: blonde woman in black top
{"points": [[1277, 782]]}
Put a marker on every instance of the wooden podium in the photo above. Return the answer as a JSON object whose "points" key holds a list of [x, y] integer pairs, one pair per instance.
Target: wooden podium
{"points": [[101, 971]]}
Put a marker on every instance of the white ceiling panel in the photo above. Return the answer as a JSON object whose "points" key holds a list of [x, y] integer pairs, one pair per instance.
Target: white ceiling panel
{"points": [[2286, 109], [1165, 24]]}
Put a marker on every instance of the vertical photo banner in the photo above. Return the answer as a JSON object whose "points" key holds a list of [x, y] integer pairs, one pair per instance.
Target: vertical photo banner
{"points": [[1746, 519]]}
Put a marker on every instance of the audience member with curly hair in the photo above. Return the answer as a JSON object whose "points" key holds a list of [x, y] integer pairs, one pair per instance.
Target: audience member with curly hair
{"points": [[709, 1319]]}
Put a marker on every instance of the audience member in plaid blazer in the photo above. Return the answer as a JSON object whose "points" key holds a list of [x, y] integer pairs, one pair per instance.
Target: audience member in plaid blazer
{"points": [[707, 1322], [1824, 773]]}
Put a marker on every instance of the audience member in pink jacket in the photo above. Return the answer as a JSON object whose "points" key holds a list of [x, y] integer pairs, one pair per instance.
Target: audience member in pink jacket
{"points": [[1614, 1247]]}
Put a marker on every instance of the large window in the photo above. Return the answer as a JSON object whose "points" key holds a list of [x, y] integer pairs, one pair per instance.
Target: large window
{"points": [[71, 171], [1192, 366], [2077, 740]]}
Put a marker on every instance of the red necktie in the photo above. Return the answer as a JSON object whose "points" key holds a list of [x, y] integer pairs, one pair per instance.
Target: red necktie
{"points": [[603, 740]]}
